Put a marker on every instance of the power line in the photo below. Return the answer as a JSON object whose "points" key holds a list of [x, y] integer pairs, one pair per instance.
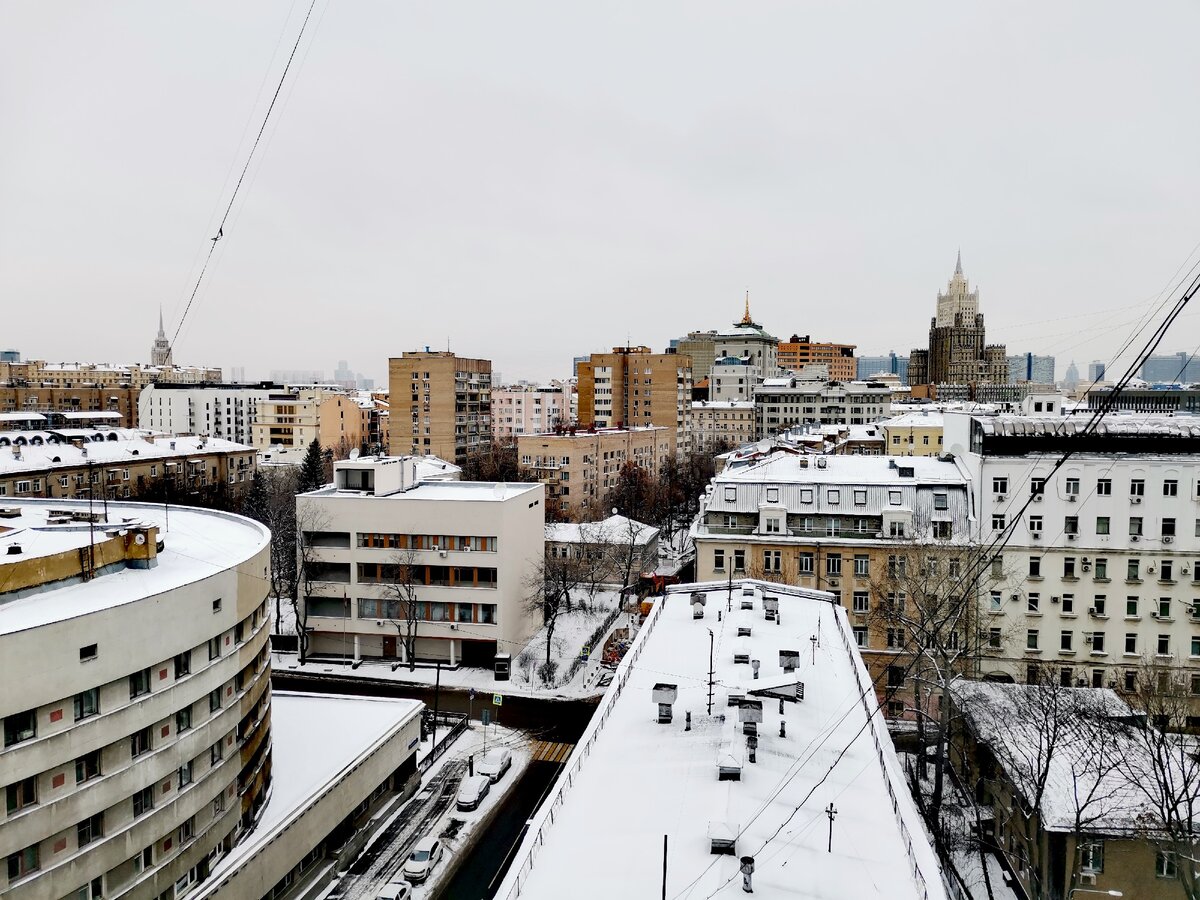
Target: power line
{"points": [[242, 177]]}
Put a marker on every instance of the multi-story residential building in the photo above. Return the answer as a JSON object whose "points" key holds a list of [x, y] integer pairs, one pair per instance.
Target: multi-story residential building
{"points": [[297, 417], [469, 549], [802, 351], [1181, 368], [869, 366], [718, 425], [136, 696], [119, 400], [916, 433], [621, 548], [118, 463], [1099, 574], [957, 352], [579, 467], [530, 409], [851, 525], [441, 404], [634, 387], [1030, 367], [700, 348], [219, 410], [782, 403], [39, 373], [732, 378]]}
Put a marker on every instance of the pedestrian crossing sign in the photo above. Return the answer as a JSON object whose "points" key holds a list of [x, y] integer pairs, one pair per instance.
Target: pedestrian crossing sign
{"points": [[497, 699]]}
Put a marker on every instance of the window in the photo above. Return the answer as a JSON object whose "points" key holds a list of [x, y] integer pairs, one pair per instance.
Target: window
{"points": [[896, 529], [214, 648], [993, 639], [90, 829], [143, 801], [1000, 485], [998, 521], [997, 566], [772, 495], [1170, 488], [941, 500], [1135, 526], [1132, 570], [214, 700], [772, 523], [216, 753], [22, 863], [1037, 487], [21, 794], [895, 498], [88, 652], [139, 742], [1164, 645], [1196, 646], [87, 767], [997, 601], [833, 496], [1168, 527], [772, 561], [719, 560], [806, 495], [1071, 524], [183, 719], [1065, 639], [860, 497], [185, 774], [1091, 857], [187, 830], [895, 676], [833, 564], [1068, 567], [1033, 602], [1131, 607], [1166, 570], [862, 565], [1137, 487], [1101, 569], [216, 604], [87, 704], [1098, 642], [183, 664], [1104, 487], [1035, 567], [895, 638], [860, 635], [218, 805], [897, 565], [1068, 604], [1102, 525], [739, 560], [1071, 487], [139, 683], [1131, 644], [861, 601], [1164, 863], [1031, 639], [19, 727], [1098, 605], [804, 563], [1035, 525]]}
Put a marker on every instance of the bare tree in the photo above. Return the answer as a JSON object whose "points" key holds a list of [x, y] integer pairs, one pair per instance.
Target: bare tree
{"points": [[403, 576], [548, 590], [278, 512], [310, 523]]}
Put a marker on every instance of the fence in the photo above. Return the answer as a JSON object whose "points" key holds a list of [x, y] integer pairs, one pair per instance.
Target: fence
{"points": [[543, 821], [602, 629], [458, 724]]}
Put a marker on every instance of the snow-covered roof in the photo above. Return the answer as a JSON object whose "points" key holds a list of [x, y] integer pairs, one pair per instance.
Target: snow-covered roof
{"points": [[631, 780], [782, 467], [1163, 426], [613, 530], [317, 740], [1047, 732], [129, 447], [922, 419], [198, 543], [466, 490], [723, 404]]}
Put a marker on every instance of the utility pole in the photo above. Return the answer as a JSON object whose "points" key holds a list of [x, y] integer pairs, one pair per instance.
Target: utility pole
{"points": [[711, 641], [664, 881], [831, 812], [437, 689], [814, 649]]}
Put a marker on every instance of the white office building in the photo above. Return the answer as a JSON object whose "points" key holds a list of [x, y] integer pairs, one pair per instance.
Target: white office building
{"points": [[783, 403], [471, 545], [218, 410]]}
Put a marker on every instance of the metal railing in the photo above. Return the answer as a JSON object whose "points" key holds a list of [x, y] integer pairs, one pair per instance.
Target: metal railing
{"points": [[458, 724]]}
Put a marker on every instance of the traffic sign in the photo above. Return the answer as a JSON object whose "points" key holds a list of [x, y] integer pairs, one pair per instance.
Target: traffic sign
{"points": [[471, 694], [497, 699], [485, 716], [586, 651]]}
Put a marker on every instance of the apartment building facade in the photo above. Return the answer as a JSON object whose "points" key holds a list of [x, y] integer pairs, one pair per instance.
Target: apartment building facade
{"points": [[579, 467], [633, 387], [718, 426], [441, 404], [471, 547], [1099, 578], [297, 417], [136, 699], [226, 411], [783, 403], [856, 526], [530, 409], [801, 351], [917, 433]]}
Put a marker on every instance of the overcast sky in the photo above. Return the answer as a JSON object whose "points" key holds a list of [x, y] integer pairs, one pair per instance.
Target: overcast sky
{"points": [[533, 182]]}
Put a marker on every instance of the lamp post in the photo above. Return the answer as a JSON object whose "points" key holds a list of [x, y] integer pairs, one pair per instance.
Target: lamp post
{"points": [[711, 641], [1075, 891]]}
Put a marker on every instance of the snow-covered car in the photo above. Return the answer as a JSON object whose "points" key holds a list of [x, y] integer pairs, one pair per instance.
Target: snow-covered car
{"points": [[425, 855], [397, 890], [472, 791], [495, 763]]}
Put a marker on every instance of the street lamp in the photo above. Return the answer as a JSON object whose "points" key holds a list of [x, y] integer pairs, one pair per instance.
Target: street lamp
{"points": [[1075, 891]]}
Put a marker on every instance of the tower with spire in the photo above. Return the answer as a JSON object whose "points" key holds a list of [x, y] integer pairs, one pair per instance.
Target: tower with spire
{"points": [[160, 352]]}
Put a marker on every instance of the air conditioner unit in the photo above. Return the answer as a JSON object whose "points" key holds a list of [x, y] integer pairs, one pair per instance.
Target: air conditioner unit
{"points": [[1087, 567], [1072, 536], [1037, 498], [1016, 596], [1154, 613], [1053, 599], [1135, 500], [1000, 498], [1168, 539], [1184, 569], [1036, 535], [441, 553], [1091, 612], [1135, 537], [1087, 638], [1087, 878], [1112, 685], [1071, 498], [1150, 569]]}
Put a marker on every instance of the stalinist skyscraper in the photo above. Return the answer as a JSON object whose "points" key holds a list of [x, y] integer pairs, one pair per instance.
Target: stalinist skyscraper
{"points": [[958, 352], [160, 352]]}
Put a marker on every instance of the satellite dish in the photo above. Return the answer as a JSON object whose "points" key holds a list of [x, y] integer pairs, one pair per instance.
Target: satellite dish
{"points": [[354, 453], [764, 445]]}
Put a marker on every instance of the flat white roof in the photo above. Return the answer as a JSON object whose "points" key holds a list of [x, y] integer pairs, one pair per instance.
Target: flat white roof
{"points": [[632, 780], [316, 740], [198, 544], [128, 448], [784, 467]]}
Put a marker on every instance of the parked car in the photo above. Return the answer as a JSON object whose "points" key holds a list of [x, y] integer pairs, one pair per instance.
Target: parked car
{"points": [[495, 763], [397, 890], [425, 855], [472, 791]]}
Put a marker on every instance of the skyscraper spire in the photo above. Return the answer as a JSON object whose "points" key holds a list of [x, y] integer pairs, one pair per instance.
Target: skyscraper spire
{"points": [[161, 333], [160, 351], [958, 264], [746, 320]]}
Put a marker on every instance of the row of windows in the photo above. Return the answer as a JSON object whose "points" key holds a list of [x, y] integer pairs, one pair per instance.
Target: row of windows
{"points": [[427, 542], [441, 576], [1035, 524], [897, 564], [468, 613], [1164, 569], [1163, 608], [1104, 486], [1095, 642]]}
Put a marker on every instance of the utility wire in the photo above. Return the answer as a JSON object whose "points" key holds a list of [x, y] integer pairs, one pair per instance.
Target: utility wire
{"points": [[213, 241]]}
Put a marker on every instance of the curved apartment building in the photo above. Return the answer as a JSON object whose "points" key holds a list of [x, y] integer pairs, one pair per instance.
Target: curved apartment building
{"points": [[135, 696]]}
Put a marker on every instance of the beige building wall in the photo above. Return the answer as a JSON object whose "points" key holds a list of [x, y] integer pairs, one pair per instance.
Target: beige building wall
{"points": [[717, 426], [294, 420], [633, 387], [441, 405]]}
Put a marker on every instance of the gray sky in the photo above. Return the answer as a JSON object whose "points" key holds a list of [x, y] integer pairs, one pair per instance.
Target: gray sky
{"points": [[539, 181]]}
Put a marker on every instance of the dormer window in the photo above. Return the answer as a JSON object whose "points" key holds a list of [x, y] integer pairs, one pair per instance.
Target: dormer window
{"points": [[894, 498], [731, 494], [860, 498], [833, 495], [806, 495], [772, 495]]}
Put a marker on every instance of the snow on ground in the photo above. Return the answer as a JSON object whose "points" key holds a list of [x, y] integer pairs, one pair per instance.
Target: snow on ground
{"points": [[286, 623]]}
